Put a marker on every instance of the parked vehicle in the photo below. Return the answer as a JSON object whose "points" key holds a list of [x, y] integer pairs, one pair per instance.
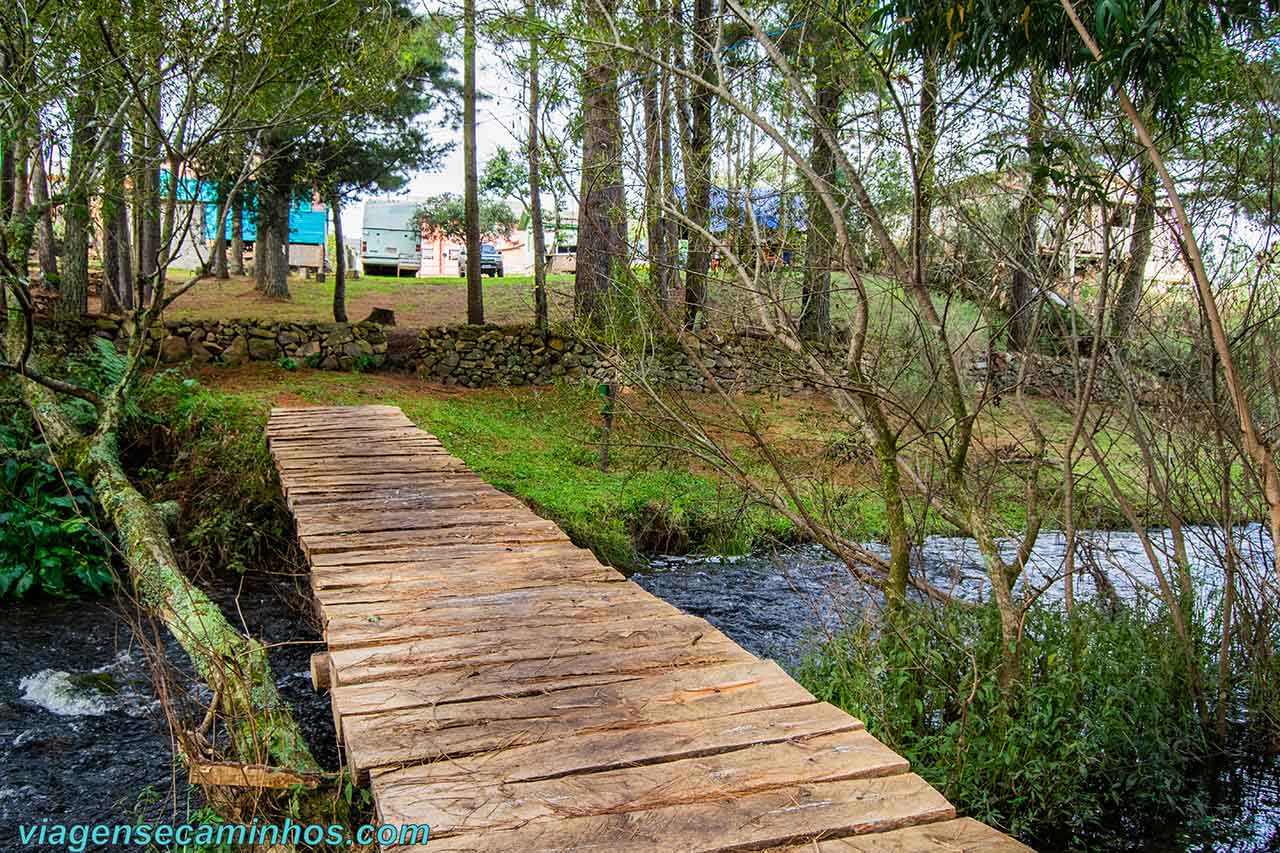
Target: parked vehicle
{"points": [[391, 241], [490, 261]]}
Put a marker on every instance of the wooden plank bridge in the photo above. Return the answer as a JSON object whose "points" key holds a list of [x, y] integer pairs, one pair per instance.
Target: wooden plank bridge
{"points": [[494, 681]]}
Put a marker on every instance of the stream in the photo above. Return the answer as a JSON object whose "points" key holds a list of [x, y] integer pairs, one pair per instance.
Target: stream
{"points": [[83, 739], [781, 604]]}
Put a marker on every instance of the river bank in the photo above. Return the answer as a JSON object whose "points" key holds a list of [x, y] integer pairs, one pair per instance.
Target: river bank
{"points": [[796, 603]]}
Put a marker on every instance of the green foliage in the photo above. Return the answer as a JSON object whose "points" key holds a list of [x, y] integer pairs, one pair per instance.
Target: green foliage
{"points": [[287, 363], [51, 542], [1099, 722], [446, 214], [209, 452], [1156, 49], [364, 362]]}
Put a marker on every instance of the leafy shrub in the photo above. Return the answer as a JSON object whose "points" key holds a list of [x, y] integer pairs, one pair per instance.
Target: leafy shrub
{"points": [[209, 452], [49, 542], [1099, 727]]}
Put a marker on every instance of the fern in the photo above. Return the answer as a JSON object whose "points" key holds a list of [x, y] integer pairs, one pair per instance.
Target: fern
{"points": [[101, 369]]}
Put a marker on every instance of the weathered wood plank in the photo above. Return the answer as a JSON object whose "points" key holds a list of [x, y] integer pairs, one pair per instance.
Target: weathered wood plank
{"points": [[576, 605], [461, 807], [423, 734], [461, 558], [479, 680], [963, 835], [509, 532], [749, 822], [379, 663], [590, 752]]}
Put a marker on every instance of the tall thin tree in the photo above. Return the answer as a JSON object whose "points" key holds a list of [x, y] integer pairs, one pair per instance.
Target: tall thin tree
{"points": [[471, 178]]}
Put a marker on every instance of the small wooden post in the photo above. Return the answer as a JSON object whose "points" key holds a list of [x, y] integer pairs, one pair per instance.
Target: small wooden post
{"points": [[610, 392]]}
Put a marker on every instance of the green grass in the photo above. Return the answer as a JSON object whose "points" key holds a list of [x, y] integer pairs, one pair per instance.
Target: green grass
{"points": [[542, 446]]}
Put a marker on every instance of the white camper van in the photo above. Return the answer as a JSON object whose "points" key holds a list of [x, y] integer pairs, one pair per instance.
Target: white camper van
{"points": [[390, 242]]}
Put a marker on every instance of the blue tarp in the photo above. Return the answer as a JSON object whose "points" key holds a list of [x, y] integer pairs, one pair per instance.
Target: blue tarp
{"points": [[766, 206]]}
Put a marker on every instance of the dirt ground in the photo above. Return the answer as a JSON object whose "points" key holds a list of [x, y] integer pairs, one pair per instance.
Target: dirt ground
{"points": [[417, 303]]}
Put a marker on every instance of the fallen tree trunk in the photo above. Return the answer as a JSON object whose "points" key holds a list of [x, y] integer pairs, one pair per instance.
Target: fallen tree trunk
{"points": [[259, 722]]}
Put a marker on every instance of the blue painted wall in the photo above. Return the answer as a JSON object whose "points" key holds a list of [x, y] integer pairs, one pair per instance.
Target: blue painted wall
{"points": [[305, 225]]}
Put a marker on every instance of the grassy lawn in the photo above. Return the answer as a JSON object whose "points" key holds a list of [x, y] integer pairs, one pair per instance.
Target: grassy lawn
{"points": [[542, 445], [417, 302]]}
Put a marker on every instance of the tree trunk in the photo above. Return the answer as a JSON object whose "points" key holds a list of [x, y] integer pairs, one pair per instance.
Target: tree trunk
{"points": [[540, 309], [146, 216], [237, 234], [927, 142], [220, 240], [1023, 297], [8, 170], [815, 308], [698, 168], [73, 299], [655, 227], [602, 212], [670, 225], [1135, 272], [117, 283], [124, 258], [276, 259], [271, 251], [46, 251], [471, 189], [339, 265]]}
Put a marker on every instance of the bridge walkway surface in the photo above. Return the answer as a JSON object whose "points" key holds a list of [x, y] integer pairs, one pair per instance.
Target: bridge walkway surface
{"points": [[493, 680]]}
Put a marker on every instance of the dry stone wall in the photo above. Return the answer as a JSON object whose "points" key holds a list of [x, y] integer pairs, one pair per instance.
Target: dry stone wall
{"points": [[329, 346], [488, 356]]}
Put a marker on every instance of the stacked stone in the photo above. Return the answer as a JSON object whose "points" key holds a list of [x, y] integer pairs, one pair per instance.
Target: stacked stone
{"points": [[331, 346]]}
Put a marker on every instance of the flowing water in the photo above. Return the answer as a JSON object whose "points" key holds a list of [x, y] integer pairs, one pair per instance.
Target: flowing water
{"points": [[779, 605], [83, 739]]}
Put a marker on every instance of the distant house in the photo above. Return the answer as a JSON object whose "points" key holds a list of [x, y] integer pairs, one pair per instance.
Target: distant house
{"points": [[1079, 245], [308, 225], [308, 231], [440, 254]]}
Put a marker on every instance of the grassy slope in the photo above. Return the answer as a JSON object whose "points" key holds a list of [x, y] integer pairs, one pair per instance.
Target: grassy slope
{"points": [[541, 445], [538, 445]]}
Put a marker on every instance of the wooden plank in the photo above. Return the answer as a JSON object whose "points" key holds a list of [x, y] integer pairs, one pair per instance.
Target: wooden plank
{"points": [[380, 521], [422, 734], [541, 606], [963, 835], [506, 532], [461, 557], [566, 565], [462, 807], [321, 673], [750, 822], [229, 775], [306, 495], [409, 583], [379, 663], [591, 752], [344, 510], [530, 677]]}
